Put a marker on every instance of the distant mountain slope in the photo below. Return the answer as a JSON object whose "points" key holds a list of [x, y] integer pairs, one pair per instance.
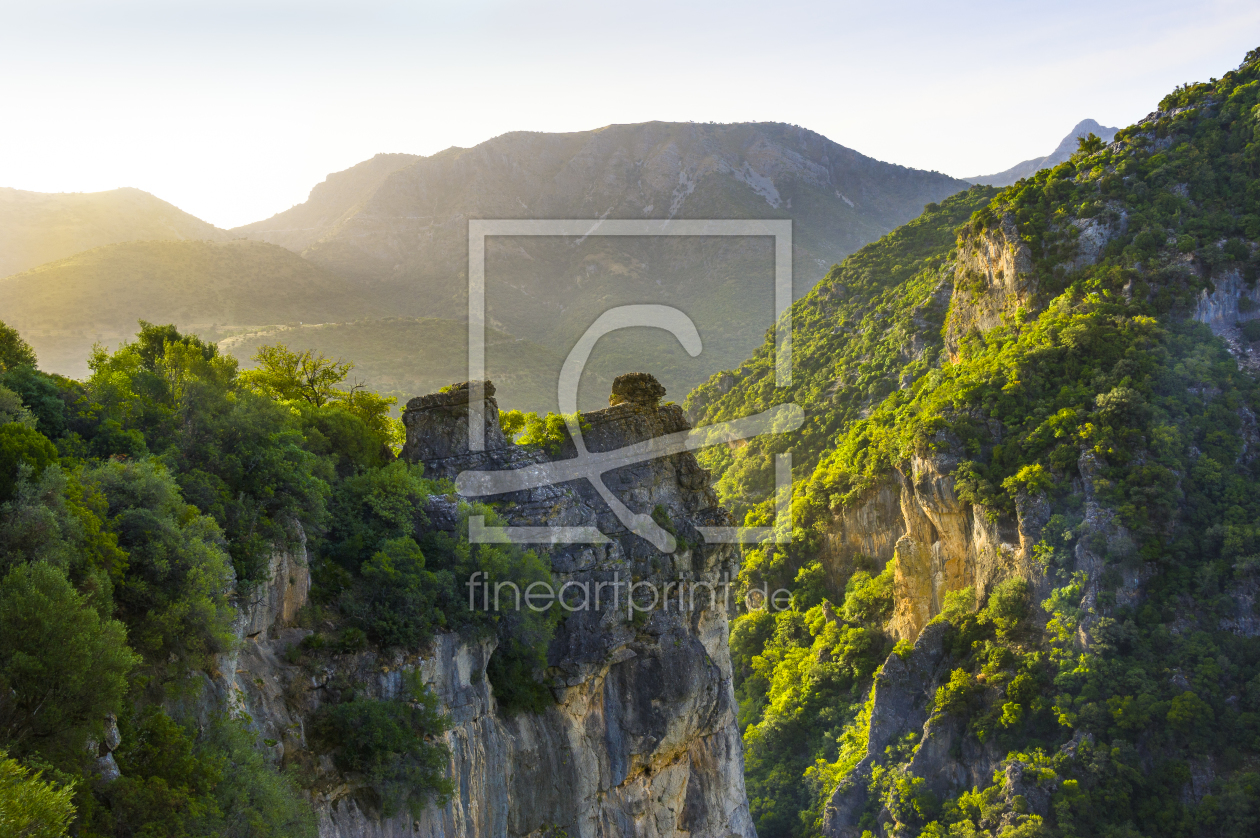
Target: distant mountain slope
{"points": [[63, 307], [403, 233], [406, 357], [1064, 150], [38, 227], [401, 217], [331, 204]]}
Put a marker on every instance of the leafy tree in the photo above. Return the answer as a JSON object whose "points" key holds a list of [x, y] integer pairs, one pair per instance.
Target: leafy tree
{"points": [[44, 395], [31, 807], [550, 432], [173, 594], [22, 448], [14, 352], [56, 520], [1089, 144], [373, 410], [394, 598], [12, 409], [52, 702], [213, 783], [296, 376]]}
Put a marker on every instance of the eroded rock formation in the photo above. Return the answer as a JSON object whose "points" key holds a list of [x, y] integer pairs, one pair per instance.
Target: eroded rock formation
{"points": [[642, 739]]}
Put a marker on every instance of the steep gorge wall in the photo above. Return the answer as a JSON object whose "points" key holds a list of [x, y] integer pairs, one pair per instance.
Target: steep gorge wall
{"points": [[913, 516], [941, 543], [642, 739]]}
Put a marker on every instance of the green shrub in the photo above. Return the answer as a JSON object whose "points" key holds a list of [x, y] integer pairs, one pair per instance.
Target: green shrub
{"points": [[22, 447], [31, 807], [869, 599], [389, 743], [394, 598], [214, 783], [1008, 605], [14, 352], [173, 594], [62, 666], [550, 432]]}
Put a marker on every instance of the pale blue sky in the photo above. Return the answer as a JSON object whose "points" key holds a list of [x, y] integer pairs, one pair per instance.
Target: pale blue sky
{"points": [[233, 111]]}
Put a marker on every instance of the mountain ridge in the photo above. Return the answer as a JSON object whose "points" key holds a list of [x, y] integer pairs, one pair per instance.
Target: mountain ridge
{"points": [[41, 227], [1064, 150], [399, 230]]}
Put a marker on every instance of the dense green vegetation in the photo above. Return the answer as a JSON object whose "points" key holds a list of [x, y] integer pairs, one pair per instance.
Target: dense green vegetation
{"points": [[31, 806], [1103, 399], [387, 741], [873, 324], [803, 673], [138, 509]]}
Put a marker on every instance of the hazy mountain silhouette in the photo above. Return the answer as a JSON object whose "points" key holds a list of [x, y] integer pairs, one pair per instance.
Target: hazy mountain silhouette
{"points": [[38, 227], [1062, 152]]}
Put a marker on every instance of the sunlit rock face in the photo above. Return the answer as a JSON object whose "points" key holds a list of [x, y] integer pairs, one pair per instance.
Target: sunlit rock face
{"points": [[642, 740]]}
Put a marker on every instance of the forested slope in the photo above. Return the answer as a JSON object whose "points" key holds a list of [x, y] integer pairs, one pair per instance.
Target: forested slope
{"points": [[147, 516], [1030, 470]]}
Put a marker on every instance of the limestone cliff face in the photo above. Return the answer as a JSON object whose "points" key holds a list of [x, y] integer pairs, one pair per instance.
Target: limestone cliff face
{"points": [[642, 739], [1230, 304], [993, 277], [938, 542]]}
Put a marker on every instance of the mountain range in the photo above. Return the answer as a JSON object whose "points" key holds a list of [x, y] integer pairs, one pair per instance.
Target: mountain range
{"points": [[388, 238], [1015, 568]]}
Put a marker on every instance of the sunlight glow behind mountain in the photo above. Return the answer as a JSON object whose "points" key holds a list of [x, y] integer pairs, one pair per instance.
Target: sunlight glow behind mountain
{"points": [[231, 111]]}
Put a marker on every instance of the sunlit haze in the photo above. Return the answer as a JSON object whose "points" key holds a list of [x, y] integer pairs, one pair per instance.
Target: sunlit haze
{"points": [[233, 111]]}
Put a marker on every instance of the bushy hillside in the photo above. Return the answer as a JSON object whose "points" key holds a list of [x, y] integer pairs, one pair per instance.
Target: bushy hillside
{"points": [[1049, 491], [873, 324], [38, 227], [146, 514], [66, 306]]}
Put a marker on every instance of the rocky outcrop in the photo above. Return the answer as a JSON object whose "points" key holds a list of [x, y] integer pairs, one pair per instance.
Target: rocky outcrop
{"points": [[1093, 234], [1230, 304], [938, 542], [993, 277], [637, 387], [864, 531], [901, 703], [252, 680], [642, 739], [940, 752]]}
